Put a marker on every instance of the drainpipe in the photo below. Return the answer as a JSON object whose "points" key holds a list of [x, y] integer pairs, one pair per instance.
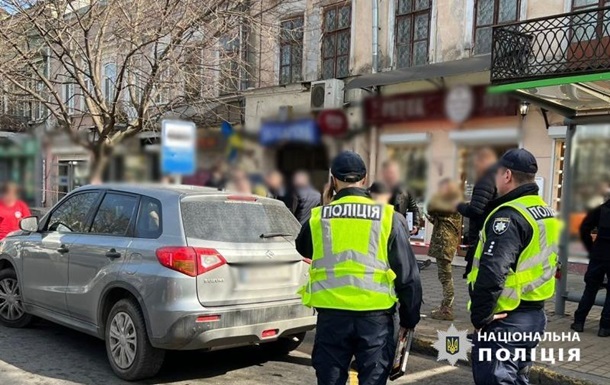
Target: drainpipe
{"points": [[375, 36], [374, 69]]}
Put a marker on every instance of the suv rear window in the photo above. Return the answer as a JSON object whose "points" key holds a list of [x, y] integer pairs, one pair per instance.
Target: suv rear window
{"points": [[237, 221]]}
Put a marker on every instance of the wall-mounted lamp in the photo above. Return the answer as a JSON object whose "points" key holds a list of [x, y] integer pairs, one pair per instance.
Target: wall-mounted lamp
{"points": [[524, 108]]}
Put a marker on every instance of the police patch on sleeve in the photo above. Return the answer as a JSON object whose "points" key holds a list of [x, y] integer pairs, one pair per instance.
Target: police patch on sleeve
{"points": [[500, 225]]}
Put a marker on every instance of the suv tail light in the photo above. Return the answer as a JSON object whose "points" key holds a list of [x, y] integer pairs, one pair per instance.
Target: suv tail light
{"points": [[192, 261]]}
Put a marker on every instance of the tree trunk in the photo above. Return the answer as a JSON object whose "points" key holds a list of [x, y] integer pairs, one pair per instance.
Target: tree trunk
{"points": [[100, 158]]}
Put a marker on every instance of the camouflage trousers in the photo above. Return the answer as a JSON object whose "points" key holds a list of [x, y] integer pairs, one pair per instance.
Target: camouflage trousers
{"points": [[445, 276]]}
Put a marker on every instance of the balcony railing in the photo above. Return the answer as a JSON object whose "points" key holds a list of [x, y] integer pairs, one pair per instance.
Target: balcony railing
{"points": [[574, 43]]}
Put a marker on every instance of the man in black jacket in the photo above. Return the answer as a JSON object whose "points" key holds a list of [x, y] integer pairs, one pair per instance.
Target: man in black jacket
{"points": [[366, 334], [403, 200], [304, 197], [599, 267], [484, 192]]}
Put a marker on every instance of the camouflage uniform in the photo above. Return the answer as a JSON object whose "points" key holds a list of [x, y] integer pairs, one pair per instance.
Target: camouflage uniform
{"points": [[444, 242]]}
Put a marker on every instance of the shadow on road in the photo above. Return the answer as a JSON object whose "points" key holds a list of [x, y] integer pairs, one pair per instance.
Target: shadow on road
{"points": [[55, 352]]}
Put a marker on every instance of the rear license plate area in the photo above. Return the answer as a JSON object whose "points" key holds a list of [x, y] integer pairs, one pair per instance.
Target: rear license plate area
{"points": [[265, 275]]}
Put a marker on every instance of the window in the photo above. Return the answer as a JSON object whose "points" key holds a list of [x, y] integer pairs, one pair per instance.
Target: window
{"points": [[597, 28], [109, 81], [489, 13], [83, 98], [291, 50], [114, 214], [71, 215], [149, 219], [229, 64], [336, 40], [69, 97], [412, 32]]}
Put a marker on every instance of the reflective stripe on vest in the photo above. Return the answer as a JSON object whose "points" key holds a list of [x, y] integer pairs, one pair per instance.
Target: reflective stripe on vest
{"points": [[533, 279], [343, 275]]}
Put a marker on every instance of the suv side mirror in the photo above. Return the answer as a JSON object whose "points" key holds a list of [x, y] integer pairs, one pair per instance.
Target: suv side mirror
{"points": [[29, 224]]}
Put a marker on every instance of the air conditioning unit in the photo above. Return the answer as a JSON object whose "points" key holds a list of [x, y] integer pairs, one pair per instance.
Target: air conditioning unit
{"points": [[327, 94]]}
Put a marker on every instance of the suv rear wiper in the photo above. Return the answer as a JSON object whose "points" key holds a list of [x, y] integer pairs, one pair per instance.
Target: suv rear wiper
{"points": [[273, 235]]}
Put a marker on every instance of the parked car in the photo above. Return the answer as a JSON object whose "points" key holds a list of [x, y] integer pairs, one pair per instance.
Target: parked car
{"points": [[155, 268]]}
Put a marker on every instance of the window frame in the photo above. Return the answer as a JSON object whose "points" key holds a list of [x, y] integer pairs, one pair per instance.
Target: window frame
{"points": [[44, 228], [412, 14], [130, 228], [336, 32], [69, 94], [139, 214], [109, 97], [494, 22], [291, 44]]}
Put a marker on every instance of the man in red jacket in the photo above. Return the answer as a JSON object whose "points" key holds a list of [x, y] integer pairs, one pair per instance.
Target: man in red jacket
{"points": [[12, 209]]}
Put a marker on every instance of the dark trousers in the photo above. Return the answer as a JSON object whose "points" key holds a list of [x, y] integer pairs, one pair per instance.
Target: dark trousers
{"points": [[594, 278], [368, 337], [510, 372]]}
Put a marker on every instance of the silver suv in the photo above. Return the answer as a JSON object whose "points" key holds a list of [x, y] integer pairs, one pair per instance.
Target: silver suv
{"points": [[151, 268]]}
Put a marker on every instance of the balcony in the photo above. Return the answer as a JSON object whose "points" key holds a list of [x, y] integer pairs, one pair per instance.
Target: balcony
{"points": [[554, 46], [561, 62]]}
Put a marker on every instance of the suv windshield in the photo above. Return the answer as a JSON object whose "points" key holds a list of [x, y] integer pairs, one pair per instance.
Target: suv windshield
{"points": [[238, 221]]}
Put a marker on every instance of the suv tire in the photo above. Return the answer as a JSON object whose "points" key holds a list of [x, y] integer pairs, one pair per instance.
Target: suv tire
{"points": [[12, 312], [284, 345], [129, 351]]}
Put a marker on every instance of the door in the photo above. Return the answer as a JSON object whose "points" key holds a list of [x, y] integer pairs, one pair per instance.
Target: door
{"points": [[46, 255], [96, 257]]}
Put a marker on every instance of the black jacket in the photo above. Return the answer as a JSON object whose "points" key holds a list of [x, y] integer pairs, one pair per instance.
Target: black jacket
{"points": [[401, 257], [303, 200], [502, 249], [477, 210], [598, 218], [404, 202]]}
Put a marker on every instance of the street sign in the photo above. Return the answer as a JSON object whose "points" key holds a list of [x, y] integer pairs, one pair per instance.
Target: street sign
{"points": [[178, 146]]}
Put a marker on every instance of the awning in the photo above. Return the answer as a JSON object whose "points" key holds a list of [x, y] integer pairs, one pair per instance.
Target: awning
{"points": [[437, 70]]}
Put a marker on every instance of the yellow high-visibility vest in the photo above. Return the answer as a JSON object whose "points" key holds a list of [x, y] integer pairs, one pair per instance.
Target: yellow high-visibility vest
{"points": [[534, 276], [349, 268]]}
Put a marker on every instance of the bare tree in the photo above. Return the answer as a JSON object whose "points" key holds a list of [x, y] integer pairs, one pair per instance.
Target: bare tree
{"points": [[104, 70]]}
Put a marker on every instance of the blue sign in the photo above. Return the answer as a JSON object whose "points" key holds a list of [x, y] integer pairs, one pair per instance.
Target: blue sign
{"points": [[301, 130], [178, 147]]}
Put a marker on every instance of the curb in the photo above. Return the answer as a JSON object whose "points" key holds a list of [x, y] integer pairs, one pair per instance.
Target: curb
{"points": [[540, 375]]}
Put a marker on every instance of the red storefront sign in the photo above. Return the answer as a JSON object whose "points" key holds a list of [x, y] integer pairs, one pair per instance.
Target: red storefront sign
{"points": [[333, 122], [432, 105]]}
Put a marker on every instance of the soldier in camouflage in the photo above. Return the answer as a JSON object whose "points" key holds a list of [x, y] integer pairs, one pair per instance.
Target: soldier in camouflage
{"points": [[445, 240]]}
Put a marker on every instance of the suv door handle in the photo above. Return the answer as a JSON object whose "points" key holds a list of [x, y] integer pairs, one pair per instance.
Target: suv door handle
{"points": [[113, 254], [62, 249]]}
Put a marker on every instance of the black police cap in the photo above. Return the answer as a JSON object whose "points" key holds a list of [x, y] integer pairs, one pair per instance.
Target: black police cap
{"points": [[519, 159], [348, 167]]}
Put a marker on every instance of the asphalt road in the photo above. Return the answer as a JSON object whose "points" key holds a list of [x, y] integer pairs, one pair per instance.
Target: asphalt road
{"points": [[47, 354]]}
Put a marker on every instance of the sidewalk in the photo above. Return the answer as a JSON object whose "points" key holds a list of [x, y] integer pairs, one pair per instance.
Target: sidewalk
{"points": [[594, 365]]}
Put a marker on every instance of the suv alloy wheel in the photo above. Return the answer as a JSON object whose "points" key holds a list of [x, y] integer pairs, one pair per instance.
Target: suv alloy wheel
{"points": [[12, 312], [129, 351]]}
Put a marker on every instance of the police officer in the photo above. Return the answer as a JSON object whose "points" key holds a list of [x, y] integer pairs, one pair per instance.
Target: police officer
{"points": [[361, 264], [513, 273]]}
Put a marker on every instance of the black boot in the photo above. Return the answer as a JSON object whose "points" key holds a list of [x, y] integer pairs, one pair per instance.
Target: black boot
{"points": [[578, 327], [603, 332]]}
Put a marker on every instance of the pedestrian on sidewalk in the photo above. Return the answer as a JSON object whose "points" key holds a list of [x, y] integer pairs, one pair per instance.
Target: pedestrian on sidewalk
{"points": [[402, 199], [483, 193], [12, 209], [513, 273], [599, 267], [356, 277], [445, 240]]}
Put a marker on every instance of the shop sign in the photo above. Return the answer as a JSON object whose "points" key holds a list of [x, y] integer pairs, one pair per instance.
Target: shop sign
{"points": [[300, 131], [178, 147], [333, 122], [437, 105]]}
